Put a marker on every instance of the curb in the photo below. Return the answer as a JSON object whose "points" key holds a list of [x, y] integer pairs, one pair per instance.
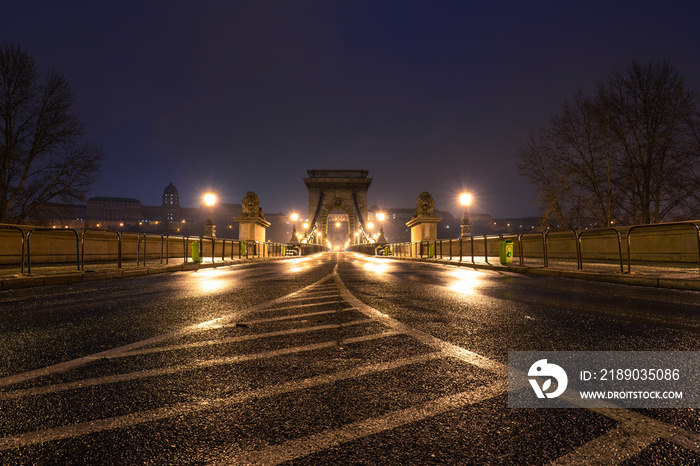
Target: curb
{"points": [[77, 277], [656, 282]]}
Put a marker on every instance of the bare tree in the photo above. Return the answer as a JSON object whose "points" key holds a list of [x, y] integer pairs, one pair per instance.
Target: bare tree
{"points": [[631, 152], [44, 159]]}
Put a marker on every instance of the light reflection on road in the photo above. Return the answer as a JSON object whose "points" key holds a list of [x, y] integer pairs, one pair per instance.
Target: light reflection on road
{"points": [[376, 265], [209, 281], [466, 281]]}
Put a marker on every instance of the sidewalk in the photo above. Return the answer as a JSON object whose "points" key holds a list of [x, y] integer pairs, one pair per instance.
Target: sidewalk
{"points": [[682, 277], [11, 277]]}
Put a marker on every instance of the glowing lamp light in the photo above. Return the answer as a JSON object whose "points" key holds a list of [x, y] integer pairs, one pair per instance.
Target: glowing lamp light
{"points": [[210, 199], [295, 217], [465, 199], [381, 216], [370, 225], [306, 225], [337, 224]]}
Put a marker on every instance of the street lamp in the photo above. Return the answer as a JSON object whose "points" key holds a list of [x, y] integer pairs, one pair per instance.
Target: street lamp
{"points": [[295, 237], [306, 227], [210, 228], [465, 199], [381, 216]]}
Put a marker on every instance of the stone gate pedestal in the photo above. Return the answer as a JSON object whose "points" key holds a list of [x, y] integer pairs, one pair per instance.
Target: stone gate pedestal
{"points": [[423, 225], [251, 224], [423, 228]]}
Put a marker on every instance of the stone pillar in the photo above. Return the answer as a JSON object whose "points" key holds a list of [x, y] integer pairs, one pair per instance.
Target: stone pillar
{"points": [[251, 224], [423, 225]]}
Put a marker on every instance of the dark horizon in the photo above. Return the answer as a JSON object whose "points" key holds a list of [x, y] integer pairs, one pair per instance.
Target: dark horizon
{"points": [[241, 97]]}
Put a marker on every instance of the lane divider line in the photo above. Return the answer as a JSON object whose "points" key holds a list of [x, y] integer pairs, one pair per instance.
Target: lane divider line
{"points": [[425, 338], [637, 423]]}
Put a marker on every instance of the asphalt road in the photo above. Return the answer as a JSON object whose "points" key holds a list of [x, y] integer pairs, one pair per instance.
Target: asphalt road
{"points": [[333, 358]]}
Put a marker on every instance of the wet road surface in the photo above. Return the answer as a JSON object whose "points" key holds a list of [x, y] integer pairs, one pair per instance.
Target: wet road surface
{"points": [[333, 358]]}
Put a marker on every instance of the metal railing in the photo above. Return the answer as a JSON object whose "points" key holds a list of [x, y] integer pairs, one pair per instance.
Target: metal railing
{"points": [[436, 248], [29, 245], [145, 245], [21, 232], [602, 230], [119, 246]]}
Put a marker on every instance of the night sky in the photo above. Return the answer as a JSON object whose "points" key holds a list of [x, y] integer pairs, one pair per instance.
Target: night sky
{"points": [[428, 96]]}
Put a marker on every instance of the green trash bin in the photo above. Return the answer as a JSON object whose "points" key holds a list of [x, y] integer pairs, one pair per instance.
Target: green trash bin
{"points": [[195, 251], [505, 250], [431, 250], [244, 249]]}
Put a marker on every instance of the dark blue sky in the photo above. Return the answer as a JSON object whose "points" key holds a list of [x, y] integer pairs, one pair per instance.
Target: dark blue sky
{"points": [[429, 96]]}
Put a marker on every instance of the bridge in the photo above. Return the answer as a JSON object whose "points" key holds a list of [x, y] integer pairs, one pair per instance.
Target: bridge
{"points": [[344, 190], [125, 349]]}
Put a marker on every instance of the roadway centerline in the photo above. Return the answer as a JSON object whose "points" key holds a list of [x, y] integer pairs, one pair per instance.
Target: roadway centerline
{"points": [[638, 426], [425, 338]]}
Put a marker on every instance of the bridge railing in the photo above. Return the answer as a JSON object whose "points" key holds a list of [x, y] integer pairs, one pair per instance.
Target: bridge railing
{"points": [[93, 247], [676, 243]]}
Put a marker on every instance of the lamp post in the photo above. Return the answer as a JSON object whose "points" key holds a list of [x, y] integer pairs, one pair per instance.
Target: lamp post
{"points": [[381, 216], [370, 225], [210, 228], [306, 227], [295, 238], [465, 199]]}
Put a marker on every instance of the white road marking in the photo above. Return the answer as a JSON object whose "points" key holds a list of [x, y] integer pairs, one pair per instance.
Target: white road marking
{"points": [[638, 428], [181, 409], [299, 306], [615, 446], [635, 432], [331, 438], [187, 367], [307, 297], [425, 338], [116, 352], [252, 336]]}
